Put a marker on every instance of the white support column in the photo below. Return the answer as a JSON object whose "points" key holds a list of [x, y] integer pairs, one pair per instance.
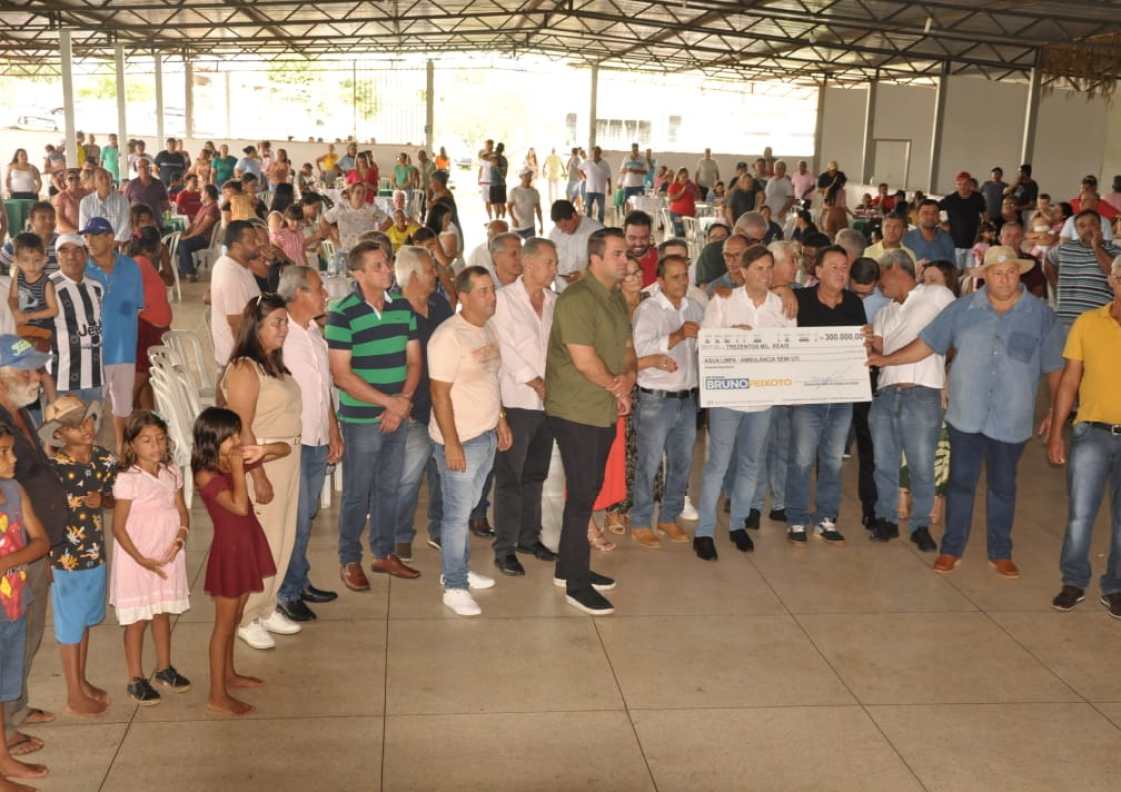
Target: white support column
{"points": [[819, 126], [592, 110], [226, 76], [1031, 116], [189, 98], [66, 55], [122, 115], [430, 107], [157, 60], [936, 132], [867, 164]]}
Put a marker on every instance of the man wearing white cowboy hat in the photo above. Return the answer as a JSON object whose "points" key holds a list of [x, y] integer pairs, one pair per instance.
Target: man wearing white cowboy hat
{"points": [[525, 201], [1006, 340]]}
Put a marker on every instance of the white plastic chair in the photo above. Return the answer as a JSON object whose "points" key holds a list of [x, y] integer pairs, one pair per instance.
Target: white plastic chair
{"points": [[690, 224], [171, 405], [666, 222], [204, 259], [171, 241], [189, 353]]}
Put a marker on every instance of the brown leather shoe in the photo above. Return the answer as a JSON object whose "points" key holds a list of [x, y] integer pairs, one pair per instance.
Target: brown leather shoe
{"points": [[392, 565], [645, 537], [673, 531], [1005, 568], [945, 564], [353, 577]]}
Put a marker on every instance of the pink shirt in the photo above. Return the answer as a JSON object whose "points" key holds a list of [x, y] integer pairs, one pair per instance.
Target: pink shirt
{"points": [[305, 355], [291, 242]]}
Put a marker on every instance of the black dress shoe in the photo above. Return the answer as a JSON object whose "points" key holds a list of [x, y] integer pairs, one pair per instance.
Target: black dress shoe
{"points": [[742, 541], [312, 594], [777, 515], [705, 548], [539, 551], [884, 531], [480, 526], [296, 610], [728, 505], [921, 536], [752, 520], [510, 565]]}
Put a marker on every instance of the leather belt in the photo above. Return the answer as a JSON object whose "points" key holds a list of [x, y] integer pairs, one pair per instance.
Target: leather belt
{"points": [[1113, 429], [663, 394]]}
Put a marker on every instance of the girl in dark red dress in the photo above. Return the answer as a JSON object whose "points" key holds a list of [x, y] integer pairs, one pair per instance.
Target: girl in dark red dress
{"points": [[239, 553]]}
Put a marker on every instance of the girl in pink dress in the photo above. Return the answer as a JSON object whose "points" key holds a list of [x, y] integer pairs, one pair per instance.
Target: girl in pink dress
{"points": [[149, 569]]}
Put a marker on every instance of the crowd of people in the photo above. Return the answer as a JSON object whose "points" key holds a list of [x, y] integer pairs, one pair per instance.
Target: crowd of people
{"points": [[462, 369]]}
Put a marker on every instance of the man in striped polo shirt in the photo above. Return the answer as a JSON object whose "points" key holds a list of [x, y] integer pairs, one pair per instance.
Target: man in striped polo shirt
{"points": [[76, 351], [375, 363], [1080, 269]]}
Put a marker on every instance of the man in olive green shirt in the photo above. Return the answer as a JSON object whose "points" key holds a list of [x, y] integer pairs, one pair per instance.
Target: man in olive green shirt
{"points": [[590, 369]]}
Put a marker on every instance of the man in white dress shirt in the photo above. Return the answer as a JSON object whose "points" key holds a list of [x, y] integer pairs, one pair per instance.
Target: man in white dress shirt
{"points": [[570, 235], [665, 341], [523, 319], [906, 414], [106, 202], [739, 431], [305, 355], [480, 255]]}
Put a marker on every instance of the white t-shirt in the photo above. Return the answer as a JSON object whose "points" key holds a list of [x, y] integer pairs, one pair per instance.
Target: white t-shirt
{"points": [[523, 201], [630, 178], [480, 257], [778, 192], [1069, 232], [468, 357], [898, 324], [597, 174], [231, 287], [803, 183], [708, 172], [572, 249], [353, 223]]}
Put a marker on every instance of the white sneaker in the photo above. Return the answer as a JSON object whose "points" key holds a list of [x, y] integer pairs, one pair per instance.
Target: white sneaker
{"points": [[461, 602], [689, 512], [280, 624], [256, 636], [475, 581]]}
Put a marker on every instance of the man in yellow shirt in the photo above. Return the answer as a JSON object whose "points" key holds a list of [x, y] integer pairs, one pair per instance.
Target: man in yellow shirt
{"points": [[893, 227], [403, 227], [328, 165], [1093, 373]]}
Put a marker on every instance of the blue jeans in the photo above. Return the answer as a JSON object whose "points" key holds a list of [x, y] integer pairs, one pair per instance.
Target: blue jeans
{"points": [[483, 506], [186, 249], [1094, 466], [593, 198], [419, 460], [461, 491], [629, 191], [313, 470], [678, 226], [772, 472], [371, 479], [967, 452], [905, 421], [819, 432], [744, 435], [668, 425]]}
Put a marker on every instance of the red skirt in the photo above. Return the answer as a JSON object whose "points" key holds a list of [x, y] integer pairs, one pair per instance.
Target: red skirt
{"points": [[614, 489], [240, 558]]}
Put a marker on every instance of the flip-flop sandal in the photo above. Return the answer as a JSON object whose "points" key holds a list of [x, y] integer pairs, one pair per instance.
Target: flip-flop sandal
{"points": [[37, 717], [25, 744]]}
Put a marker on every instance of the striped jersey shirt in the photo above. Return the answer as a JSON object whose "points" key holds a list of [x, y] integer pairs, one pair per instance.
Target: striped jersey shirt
{"points": [[1082, 284], [376, 343], [76, 346]]}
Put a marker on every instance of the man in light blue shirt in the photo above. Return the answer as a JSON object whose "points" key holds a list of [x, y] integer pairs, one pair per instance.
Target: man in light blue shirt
{"points": [[1006, 340], [120, 315], [929, 242]]}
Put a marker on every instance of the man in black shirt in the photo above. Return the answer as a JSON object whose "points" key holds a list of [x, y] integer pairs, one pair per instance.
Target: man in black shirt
{"points": [[965, 209], [19, 387], [171, 162], [1025, 192], [819, 431]]}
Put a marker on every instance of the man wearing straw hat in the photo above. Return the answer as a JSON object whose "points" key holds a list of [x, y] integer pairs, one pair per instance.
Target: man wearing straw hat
{"points": [[1006, 340]]}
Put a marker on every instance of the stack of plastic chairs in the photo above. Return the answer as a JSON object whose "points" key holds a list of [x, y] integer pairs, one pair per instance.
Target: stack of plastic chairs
{"points": [[178, 406], [171, 242], [188, 353]]}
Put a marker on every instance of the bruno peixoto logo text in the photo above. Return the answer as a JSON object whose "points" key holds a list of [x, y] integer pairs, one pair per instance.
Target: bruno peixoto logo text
{"points": [[744, 383]]}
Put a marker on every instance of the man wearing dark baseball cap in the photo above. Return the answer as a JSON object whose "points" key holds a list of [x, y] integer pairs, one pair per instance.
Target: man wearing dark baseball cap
{"points": [[19, 388], [120, 316]]}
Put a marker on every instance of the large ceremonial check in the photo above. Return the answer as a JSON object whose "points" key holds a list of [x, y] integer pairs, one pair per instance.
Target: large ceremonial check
{"points": [[782, 365]]}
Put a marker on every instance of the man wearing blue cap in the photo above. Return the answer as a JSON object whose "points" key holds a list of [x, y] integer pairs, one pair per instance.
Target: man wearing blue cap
{"points": [[19, 388], [122, 302]]}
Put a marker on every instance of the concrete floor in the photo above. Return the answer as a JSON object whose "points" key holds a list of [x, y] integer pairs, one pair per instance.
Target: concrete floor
{"points": [[815, 668]]}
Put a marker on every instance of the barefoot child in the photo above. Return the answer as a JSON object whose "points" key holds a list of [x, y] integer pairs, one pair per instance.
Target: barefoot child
{"points": [[149, 570], [239, 554], [21, 541], [87, 473]]}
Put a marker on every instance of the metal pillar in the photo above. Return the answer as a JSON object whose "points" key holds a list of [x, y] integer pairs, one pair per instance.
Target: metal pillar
{"points": [[936, 132], [592, 110], [189, 98], [819, 127], [158, 61], [1031, 116], [122, 115], [66, 55], [430, 107], [867, 152]]}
